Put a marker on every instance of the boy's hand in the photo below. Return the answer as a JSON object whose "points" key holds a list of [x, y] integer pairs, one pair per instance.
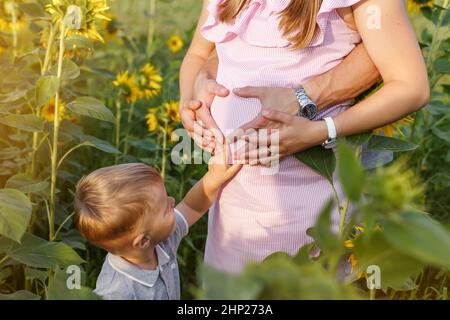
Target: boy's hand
{"points": [[219, 169]]}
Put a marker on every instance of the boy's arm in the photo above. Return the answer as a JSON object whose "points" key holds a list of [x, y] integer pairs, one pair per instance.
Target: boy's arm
{"points": [[199, 199], [202, 195]]}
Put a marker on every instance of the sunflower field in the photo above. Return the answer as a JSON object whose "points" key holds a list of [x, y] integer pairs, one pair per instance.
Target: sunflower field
{"points": [[91, 83]]}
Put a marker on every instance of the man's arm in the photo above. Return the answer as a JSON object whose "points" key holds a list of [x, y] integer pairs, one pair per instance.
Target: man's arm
{"points": [[346, 81]]}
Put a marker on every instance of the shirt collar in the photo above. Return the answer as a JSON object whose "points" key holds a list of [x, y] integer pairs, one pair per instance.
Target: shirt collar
{"points": [[145, 277]]}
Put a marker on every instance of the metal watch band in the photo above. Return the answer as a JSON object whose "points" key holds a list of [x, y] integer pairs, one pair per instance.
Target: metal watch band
{"points": [[305, 102]]}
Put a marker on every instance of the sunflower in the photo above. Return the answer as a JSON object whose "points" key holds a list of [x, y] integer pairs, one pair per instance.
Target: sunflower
{"points": [[6, 17], [152, 120], [110, 27], [149, 82], [416, 5], [48, 111], [175, 43], [92, 11], [390, 129], [350, 244], [128, 85], [171, 109]]}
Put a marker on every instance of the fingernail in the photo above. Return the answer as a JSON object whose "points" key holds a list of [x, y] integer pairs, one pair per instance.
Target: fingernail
{"points": [[266, 113]]}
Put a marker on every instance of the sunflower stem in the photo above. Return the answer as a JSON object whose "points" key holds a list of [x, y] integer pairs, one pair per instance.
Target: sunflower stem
{"points": [[164, 146], [12, 6], [48, 50], [130, 117], [118, 120], [54, 157], [151, 25]]}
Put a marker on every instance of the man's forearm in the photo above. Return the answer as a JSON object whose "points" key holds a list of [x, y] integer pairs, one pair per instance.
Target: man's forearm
{"points": [[346, 81]]}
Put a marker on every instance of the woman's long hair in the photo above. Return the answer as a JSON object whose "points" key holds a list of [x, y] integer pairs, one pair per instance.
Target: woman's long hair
{"points": [[297, 21]]}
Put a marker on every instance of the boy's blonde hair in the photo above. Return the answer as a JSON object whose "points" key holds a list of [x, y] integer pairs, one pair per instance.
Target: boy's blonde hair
{"points": [[111, 201]]}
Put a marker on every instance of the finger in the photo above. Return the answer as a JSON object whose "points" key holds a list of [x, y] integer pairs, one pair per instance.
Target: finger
{"points": [[204, 115], [254, 154], [217, 89], [237, 134], [260, 139], [249, 92], [269, 161], [240, 156], [277, 116], [233, 170], [188, 119], [201, 141], [194, 104], [257, 123]]}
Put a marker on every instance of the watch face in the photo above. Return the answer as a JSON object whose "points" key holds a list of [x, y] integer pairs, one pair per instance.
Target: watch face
{"points": [[309, 111]]}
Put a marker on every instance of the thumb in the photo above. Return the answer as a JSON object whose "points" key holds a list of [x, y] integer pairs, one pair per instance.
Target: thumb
{"points": [[194, 104], [235, 168], [277, 116], [217, 89], [249, 92]]}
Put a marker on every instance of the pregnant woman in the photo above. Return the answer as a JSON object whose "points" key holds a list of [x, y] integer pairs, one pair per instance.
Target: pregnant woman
{"points": [[277, 45]]}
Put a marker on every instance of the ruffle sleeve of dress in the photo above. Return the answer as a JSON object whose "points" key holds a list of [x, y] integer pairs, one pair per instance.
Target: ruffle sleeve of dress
{"points": [[258, 23]]}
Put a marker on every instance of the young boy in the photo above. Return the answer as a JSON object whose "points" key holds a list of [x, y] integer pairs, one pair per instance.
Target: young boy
{"points": [[125, 210]]}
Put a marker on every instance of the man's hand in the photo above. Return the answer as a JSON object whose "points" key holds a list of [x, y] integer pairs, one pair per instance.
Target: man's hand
{"points": [[197, 112], [279, 99]]}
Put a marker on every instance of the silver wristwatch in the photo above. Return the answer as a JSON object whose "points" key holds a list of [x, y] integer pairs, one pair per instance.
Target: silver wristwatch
{"points": [[308, 109]]}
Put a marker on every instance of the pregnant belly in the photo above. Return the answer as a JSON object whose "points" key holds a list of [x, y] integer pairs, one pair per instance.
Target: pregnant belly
{"points": [[232, 111]]}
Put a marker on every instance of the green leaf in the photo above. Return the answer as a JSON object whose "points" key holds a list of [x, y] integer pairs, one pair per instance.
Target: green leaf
{"points": [[5, 244], [396, 267], [32, 9], [39, 253], [26, 122], [15, 213], [99, 144], [421, 237], [441, 134], [70, 70], [46, 88], [322, 233], [25, 184], [20, 295], [31, 274], [359, 139], [218, 285], [59, 290], [91, 107], [442, 65], [74, 239], [351, 172], [12, 96], [319, 159], [383, 143], [77, 41], [9, 153], [31, 53]]}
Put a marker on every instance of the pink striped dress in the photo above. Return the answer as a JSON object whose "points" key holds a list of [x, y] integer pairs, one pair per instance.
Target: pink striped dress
{"points": [[257, 214]]}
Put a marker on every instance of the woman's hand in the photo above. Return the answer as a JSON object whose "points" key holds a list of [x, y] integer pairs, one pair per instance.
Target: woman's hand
{"points": [[196, 114], [291, 134]]}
